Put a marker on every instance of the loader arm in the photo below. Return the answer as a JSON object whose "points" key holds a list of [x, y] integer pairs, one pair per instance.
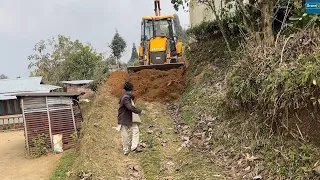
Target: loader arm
{"points": [[157, 8]]}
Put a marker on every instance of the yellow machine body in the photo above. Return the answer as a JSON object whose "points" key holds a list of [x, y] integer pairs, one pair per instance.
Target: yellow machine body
{"points": [[159, 48]]}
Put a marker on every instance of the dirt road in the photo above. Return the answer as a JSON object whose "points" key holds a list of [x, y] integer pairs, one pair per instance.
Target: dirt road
{"points": [[101, 150], [14, 165]]}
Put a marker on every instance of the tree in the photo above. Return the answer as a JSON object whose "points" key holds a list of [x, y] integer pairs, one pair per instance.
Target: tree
{"points": [[111, 60], [2, 76], [118, 46], [181, 33], [134, 55], [43, 63], [211, 4], [63, 59], [81, 63], [265, 14]]}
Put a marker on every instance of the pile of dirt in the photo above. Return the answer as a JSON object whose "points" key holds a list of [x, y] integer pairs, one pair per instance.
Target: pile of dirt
{"points": [[115, 82], [150, 85]]}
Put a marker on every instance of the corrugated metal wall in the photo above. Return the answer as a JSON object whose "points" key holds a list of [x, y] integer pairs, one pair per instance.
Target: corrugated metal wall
{"points": [[62, 118], [35, 119], [51, 116]]}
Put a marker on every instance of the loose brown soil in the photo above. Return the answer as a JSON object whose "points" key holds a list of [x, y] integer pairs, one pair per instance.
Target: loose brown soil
{"points": [[150, 85]]}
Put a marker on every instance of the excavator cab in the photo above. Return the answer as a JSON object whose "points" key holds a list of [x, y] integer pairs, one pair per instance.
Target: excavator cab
{"points": [[159, 47]]}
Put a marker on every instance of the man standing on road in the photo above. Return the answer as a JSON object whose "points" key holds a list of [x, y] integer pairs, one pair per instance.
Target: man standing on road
{"points": [[128, 128]]}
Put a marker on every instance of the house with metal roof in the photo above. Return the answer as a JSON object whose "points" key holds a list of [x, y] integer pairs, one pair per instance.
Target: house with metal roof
{"points": [[10, 108], [78, 86]]}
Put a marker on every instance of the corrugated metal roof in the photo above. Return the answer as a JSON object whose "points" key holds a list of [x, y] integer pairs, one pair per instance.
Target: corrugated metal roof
{"points": [[9, 87], [31, 84], [6, 97], [52, 94], [77, 82], [47, 88]]}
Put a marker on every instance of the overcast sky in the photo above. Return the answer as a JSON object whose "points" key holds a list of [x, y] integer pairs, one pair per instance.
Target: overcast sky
{"points": [[24, 22]]}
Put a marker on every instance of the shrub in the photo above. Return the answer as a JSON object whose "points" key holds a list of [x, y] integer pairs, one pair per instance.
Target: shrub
{"points": [[274, 79], [40, 147]]}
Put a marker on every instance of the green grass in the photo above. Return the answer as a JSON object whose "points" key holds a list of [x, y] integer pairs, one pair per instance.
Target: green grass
{"points": [[64, 165], [156, 159]]}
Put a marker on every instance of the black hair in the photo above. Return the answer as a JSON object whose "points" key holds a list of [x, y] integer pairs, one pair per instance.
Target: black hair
{"points": [[128, 86]]}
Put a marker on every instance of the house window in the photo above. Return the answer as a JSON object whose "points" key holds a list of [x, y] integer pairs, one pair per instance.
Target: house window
{"points": [[2, 110], [10, 107], [17, 108]]}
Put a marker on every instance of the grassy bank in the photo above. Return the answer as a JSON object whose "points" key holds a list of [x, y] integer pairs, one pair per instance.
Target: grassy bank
{"points": [[100, 152], [164, 157], [240, 141], [63, 169]]}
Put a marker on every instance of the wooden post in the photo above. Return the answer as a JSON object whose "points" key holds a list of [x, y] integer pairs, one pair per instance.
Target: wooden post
{"points": [[73, 119], [49, 122], [25, 125]]}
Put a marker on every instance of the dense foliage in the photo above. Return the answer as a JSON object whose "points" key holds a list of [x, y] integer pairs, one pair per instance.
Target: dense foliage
{"points": [[65, 59], [118, 46], [134, 55], [2, 76], [282, 77]]}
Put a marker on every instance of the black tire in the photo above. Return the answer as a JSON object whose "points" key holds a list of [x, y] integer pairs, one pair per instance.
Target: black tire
{"points": [[173, 61]]}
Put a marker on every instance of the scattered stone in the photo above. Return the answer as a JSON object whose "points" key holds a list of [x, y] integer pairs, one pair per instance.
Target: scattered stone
{"points": [[69, 173], [247, 168], [185, 127], [317, 170], [159, 132], [164, 143], [95, 125], [217, 175], [134, 176], [150, 131], [133, 167], [179, 149], [185, 138], [143, 145], [85, 175], [170, 163], [252, 158], [257, 177]]}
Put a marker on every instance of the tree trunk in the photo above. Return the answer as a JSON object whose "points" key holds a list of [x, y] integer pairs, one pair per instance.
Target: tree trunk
{"points": [[220, 23], [267, 19], [118, 63], [247, 21]]}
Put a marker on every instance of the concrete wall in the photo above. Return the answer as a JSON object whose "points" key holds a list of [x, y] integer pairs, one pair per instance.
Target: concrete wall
{"points": [[199, 12]]}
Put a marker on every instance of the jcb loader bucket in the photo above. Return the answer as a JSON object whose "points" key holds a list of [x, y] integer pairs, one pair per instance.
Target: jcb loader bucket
{"points": [[163, 67]]}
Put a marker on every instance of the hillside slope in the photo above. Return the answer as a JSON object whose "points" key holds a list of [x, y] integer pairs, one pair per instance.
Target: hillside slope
{"points": [[165, 153], [239, 139]]}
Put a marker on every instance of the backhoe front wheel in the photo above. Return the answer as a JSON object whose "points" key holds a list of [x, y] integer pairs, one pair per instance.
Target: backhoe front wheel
{"points": [[173, 61]]}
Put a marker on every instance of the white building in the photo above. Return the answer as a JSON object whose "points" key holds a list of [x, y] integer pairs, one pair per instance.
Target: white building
{"points": [[199, 12]]}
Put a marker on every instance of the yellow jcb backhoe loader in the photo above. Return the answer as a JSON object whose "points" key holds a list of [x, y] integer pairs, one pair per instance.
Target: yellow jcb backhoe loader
{"points": [[159, 47]]}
